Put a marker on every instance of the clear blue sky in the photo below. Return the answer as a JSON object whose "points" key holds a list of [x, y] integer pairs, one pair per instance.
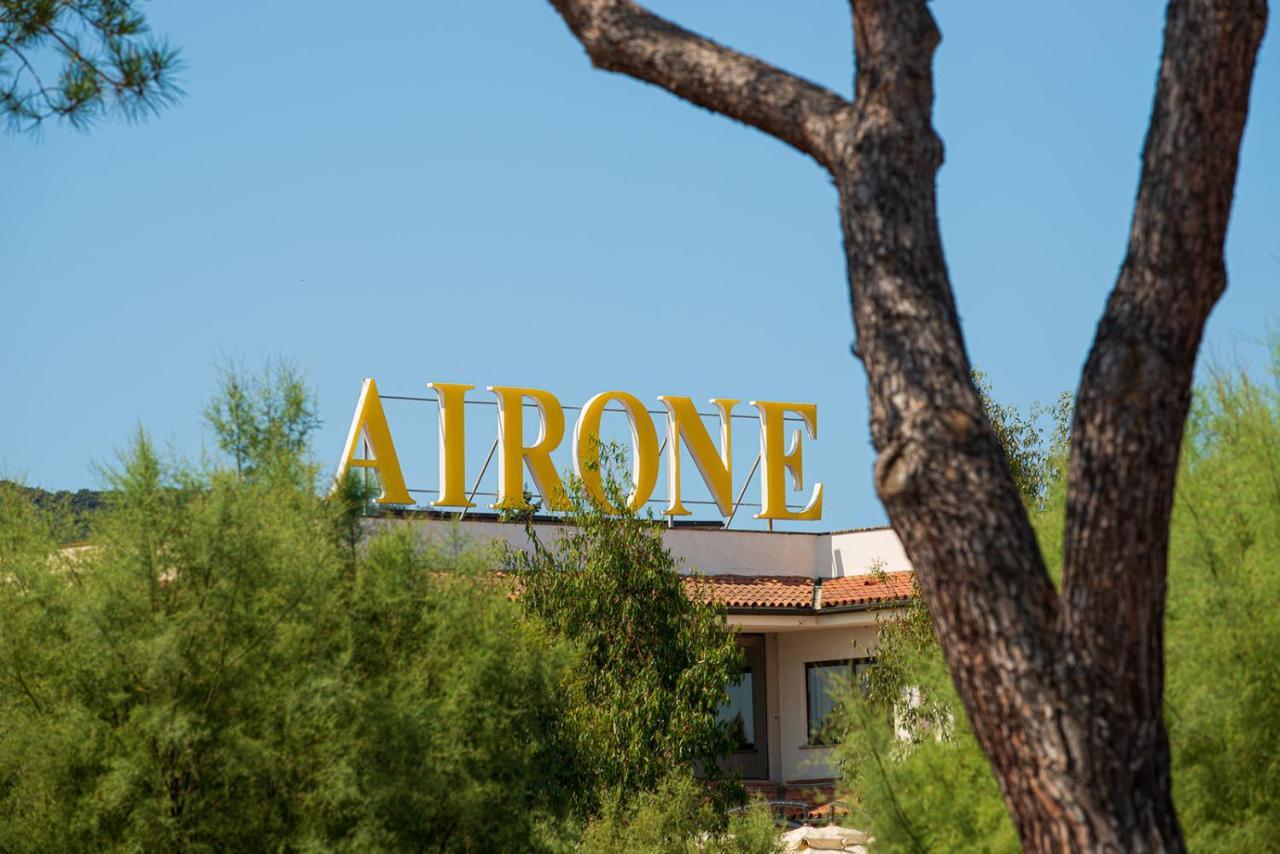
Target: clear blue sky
{"points": [[448, 191]]}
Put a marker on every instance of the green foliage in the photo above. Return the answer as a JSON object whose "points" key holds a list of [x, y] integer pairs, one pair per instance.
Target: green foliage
{"points": [[678, 816], [657, 663], [1222, 696], [77, 61], [1034, 463], [450, 713], [919, 788], [70, 512], [917, 778], [1223, 647], [224, 670], [264, 423], [235, 663]]}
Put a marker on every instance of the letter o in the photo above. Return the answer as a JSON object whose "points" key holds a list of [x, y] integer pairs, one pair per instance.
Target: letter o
{"points": [[644, 449]]}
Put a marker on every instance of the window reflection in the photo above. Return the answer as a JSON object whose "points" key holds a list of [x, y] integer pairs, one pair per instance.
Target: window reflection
{"points": [[739, 712], [826, 683]]}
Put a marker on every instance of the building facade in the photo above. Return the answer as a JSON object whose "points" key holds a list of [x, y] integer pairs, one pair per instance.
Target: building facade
{"points": [[806, 607]]}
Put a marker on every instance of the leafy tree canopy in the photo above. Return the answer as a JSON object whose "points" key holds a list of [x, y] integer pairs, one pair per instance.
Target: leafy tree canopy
{"points": [[264, 423], [71, 511], [222, 669], [657, 663]]}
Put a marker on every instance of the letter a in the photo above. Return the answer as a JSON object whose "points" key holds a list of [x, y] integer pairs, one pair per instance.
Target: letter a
{"points": [[370, 421]]}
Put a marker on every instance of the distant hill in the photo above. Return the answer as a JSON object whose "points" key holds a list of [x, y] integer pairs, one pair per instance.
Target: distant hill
{"points": [[77, 507]]}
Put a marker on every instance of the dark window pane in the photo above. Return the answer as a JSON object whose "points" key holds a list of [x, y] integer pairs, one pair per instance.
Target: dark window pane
{"points": [[825, 684], [740, 712]]}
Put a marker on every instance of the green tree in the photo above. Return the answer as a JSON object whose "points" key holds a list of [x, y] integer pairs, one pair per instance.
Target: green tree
{"points": [[222, 670], [264, 423], [167, 649], [1035, 464], [1223, 690], [1050, 678], [917, 775], [78, 61], [445, 727], [236, 661], [657, 662]]}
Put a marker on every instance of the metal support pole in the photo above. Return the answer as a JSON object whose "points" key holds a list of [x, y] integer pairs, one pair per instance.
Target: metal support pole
{"points": [[742, 492], [484, 468], [671, 520]]}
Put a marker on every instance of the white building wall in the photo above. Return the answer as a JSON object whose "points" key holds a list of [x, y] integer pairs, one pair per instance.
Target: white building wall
{"points": [[799, 761], [717, 552], [860, 552]]}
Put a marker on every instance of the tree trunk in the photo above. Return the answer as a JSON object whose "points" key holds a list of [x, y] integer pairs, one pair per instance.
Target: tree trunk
{"points": [[1064, 691]]}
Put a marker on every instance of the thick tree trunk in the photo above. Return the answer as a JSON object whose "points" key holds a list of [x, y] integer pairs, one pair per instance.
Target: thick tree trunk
{"points": [[1065, 697], [1131, 409], [1064, 692]]}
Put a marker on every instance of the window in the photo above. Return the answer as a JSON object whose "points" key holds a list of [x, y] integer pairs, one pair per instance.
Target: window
{"points": [[739, 712], [825, 685]]}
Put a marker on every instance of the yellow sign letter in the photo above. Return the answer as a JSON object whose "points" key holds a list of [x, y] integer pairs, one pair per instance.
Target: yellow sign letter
{"points": [[370, 421], [453, 445], [644, 449], [716, 468], [513, 455], [777, 461]]}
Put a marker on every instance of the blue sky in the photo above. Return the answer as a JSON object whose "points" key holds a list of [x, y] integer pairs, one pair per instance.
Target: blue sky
{"points": [[448, 191]]}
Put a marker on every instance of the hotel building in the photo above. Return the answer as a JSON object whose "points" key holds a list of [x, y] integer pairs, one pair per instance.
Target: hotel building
{"points": [[806, 607]]}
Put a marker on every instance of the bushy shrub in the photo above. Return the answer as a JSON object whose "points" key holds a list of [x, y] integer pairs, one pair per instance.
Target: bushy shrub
{"points": [[679, 816], [224, 670]]}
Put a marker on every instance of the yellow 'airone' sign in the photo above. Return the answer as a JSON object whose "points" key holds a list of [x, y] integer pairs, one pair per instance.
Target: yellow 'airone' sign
{"points": [[684, 428]]}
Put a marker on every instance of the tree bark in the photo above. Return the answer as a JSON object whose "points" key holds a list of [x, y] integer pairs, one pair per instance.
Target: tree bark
{"points": [[1064, 691], [1131, 408]]}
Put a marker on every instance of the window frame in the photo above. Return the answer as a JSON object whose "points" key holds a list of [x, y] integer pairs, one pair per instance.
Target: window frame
{"points": [[810, 740]]}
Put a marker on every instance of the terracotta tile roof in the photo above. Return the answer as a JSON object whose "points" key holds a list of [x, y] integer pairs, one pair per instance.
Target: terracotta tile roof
{"points": [[865, 589], [792, 593], [755, 591], [783, 592]]}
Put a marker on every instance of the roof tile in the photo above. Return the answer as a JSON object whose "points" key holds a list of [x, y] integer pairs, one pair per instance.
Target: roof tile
{"points": [[756, 591], [866, 589]]}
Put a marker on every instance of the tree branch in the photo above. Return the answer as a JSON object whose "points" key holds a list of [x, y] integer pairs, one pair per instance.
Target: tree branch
{"points": [[1136, 388], [624, 37]]}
